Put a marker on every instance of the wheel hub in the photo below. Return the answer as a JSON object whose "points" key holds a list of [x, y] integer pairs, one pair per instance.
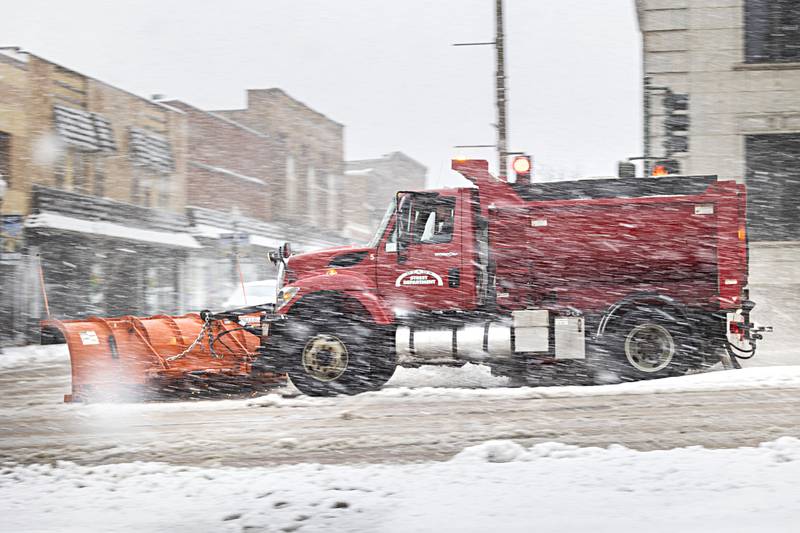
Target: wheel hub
{"points": [[325, 357], [649, 347]]}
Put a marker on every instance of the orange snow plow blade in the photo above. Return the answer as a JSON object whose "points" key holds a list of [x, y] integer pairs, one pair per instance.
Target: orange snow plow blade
{"points": [[113, 358]]}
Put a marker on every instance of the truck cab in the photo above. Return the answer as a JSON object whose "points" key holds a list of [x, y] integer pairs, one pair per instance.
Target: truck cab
{"points": [[425, 262]]}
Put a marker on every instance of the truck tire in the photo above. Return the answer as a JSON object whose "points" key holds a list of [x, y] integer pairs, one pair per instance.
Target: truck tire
{"points": [[384, 362], [646, 343], [332, 353]]}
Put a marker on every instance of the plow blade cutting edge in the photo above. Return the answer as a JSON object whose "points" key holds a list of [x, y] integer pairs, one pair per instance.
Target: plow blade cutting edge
{"points": [[124, 357]]}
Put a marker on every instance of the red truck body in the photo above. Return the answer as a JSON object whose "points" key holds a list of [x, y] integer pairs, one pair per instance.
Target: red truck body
{"points": [[648, 268]]}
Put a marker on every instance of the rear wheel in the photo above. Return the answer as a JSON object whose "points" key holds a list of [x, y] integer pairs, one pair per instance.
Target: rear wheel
{"points": [[645, 344], [331, 353]]}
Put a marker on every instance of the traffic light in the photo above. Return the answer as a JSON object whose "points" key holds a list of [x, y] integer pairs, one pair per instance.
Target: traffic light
{"points": [[666, 168], [676, 123], [626, 169], [522, 168]]}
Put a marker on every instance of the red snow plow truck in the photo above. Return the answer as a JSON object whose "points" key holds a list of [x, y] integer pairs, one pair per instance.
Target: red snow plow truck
{"points": [[633, 278]]}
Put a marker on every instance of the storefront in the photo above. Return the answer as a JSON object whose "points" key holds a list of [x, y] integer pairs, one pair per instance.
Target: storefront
{"points": [[101, 257]]}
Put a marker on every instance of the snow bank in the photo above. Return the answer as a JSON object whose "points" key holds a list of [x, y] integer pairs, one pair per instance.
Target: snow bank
{"points": [[498, 485], [469, 375], [33, 356], [429, 383]]}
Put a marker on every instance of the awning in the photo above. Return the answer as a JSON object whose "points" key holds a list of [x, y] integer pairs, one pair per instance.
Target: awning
{"points": [[84, 129], [213, 232], [110, 229], [265, 242], [151, 150]]}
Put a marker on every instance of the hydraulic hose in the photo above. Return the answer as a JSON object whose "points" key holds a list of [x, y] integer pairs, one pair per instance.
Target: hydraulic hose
{"points": [[743, 353], [254, 331]]}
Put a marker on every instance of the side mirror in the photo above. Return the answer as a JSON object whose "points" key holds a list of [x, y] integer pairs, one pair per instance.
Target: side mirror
{"points": [[391, 247], [283, 252], [403, 225]]}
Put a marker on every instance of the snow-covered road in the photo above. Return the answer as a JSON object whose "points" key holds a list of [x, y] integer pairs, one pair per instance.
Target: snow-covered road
{"points": [[400, 424], [496, 486], [440, 449]]}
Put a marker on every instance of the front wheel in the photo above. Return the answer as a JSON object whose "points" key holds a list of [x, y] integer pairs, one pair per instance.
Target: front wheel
{"points": [[335, 354]]}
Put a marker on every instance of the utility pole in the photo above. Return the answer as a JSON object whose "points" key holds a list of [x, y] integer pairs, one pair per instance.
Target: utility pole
{"points": [[500, 95], [646, 95], [501, 92]]}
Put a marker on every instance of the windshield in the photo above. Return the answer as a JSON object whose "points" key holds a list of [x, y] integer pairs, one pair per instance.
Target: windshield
{"points": [[384, 222]]}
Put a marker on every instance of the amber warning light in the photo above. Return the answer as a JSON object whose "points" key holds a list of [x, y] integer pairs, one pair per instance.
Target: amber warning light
{"points": [[668, 167], [660, 170]]}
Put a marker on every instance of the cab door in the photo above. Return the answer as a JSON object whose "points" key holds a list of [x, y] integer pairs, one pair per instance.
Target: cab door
{"points": [[420, 261]]}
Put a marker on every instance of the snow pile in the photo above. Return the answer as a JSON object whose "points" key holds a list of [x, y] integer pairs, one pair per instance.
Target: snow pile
{"points": [[28, 357], [498, 485], [469, 376], [431, 382]]}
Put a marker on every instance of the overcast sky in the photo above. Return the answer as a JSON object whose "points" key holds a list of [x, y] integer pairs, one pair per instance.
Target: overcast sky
{"points": [[384, 68]]}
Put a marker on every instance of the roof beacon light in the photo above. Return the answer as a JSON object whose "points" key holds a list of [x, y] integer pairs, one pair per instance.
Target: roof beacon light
{"points": [[521, 165]]}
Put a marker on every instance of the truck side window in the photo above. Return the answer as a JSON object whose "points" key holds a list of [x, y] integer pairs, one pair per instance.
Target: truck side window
{"points": [[391, 242], [434, 221]]}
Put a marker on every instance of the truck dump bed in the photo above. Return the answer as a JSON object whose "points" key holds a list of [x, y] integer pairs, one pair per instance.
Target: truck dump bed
{"points": [[586, 243]]}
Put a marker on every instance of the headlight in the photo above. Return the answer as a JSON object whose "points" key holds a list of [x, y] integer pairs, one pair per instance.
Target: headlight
{"points": [[285, 296]]}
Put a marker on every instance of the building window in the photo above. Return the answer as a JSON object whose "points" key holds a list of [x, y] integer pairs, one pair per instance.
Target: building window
{"points": [[145, 199], [150, 189], [160, 284], [291, 182], [80, 172], [772, 31], [136, 189], [96, 286], [140, 187], [163, 191], [5, 157], [60, 172], [330, 201], [100, 176], [773, 187], [311, 195]]}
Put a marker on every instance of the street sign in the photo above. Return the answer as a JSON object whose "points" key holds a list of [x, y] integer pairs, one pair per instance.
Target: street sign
{"points": [[237, 239]]}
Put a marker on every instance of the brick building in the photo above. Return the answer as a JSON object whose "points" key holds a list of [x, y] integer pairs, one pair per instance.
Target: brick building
{"points": [[377, 180], [230, 191], [309, 151], [98, 176], [739, 63], [135, 206]]}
